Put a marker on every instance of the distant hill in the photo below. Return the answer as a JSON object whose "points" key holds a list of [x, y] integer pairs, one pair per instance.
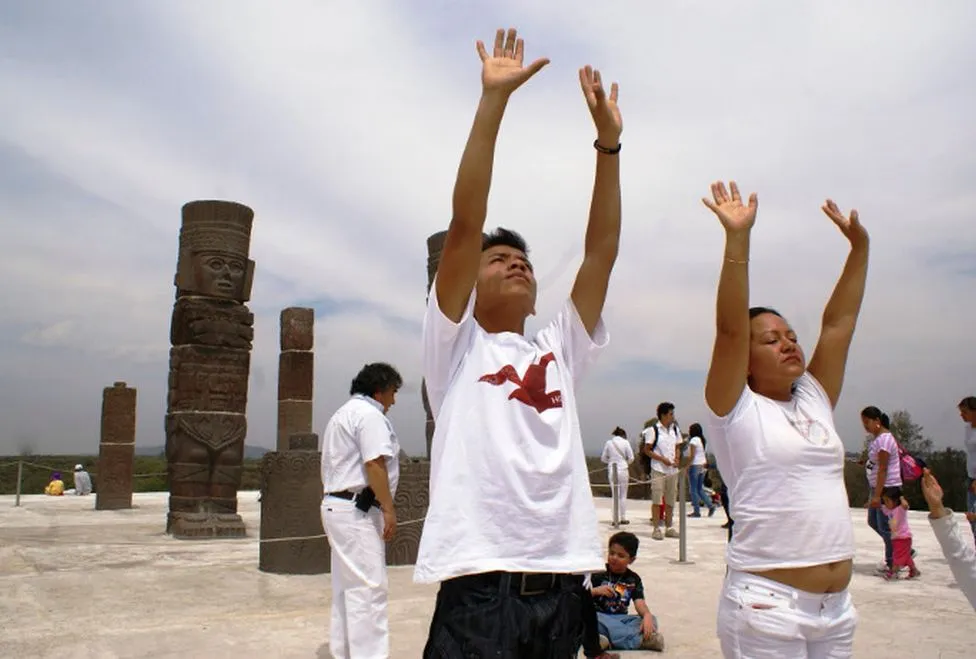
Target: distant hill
{"points": [[250, 452]]}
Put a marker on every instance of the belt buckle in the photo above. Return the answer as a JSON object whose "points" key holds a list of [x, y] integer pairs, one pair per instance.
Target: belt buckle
{"points": [[523, 589]]}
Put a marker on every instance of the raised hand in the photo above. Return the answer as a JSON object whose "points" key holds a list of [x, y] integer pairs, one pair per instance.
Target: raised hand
{"points": [[603, 108], [732, 213], [503, 71], [932, 492], [850, 226]]}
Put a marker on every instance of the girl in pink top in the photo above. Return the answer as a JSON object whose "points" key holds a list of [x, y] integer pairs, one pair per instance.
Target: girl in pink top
{"points": [[895, 509]]}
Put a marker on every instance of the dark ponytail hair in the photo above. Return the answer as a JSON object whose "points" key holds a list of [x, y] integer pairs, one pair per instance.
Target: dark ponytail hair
{"points": [[875, 414], [695, 430], [619, 432]]}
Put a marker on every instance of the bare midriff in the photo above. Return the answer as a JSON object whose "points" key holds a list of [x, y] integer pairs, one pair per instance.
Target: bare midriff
{"points": [[826, 578]]}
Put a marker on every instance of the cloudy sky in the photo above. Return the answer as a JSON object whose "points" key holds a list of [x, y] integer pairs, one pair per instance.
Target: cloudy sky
{"points": [[341, 125]]}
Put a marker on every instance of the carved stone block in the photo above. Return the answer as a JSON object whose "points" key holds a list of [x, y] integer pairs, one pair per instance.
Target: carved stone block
{"points": [[292, 539], [297, 328], [211, 322], [306, 441], [296, 371], [204, 378], [294, 416], [116, 450], [411, 501]]}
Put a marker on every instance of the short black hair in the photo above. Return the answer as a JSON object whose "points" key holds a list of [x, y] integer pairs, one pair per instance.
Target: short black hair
{"points": [[627, 540], [664, 408], [758, 311], [893, 493], [968, 403], [619, 432], [504, 237], [375, 378]]}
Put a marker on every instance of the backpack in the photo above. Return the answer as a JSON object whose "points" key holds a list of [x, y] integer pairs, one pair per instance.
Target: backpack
{"points": [[911, 466], [645, 459]]}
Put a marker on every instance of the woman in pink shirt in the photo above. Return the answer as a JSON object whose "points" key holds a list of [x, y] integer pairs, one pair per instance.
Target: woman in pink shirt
{"points": [[883, 470]]}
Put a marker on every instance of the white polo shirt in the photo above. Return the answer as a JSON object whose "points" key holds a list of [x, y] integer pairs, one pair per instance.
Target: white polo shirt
{"points": [[357, 433], [509, 488]]}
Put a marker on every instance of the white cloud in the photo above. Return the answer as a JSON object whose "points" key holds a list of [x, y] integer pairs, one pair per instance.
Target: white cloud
{"points": [[342, 125]]}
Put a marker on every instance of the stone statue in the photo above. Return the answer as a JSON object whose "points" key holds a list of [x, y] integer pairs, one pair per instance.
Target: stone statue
{"points": [[211, 334], [296, 374], [116, 448], [435, 245]]}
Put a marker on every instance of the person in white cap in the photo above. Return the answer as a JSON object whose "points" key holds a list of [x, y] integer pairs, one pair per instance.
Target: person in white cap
{"points": [[83, 484]]}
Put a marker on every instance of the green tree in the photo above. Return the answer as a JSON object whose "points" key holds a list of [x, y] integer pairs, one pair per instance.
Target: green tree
{"points": [[909, 434]]}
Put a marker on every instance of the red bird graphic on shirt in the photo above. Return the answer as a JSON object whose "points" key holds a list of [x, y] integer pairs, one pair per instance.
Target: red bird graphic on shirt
{"points": [[531, 387]]}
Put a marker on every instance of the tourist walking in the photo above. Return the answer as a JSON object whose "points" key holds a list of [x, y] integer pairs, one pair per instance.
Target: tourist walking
{"points": [[360, 470], [883, 470], [696, 471], [618, 455], [772, 432]]}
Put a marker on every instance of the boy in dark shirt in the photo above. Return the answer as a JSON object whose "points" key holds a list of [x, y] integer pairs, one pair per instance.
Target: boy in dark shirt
{"points": [[613, 590]]}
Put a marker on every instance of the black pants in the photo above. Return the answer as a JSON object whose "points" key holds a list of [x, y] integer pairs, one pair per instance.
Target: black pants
{"points": [[724, 494], [500, 615]]}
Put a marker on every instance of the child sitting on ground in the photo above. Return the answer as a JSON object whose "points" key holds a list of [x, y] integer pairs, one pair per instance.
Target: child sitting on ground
{"points": [[613, 590], [901, 533]]}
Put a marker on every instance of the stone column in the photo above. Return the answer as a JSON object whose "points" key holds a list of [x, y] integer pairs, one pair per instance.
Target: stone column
{"points": [[211, 334], [296, 372], [411, 500], [435, 244], [116, 448], [291, 498]]}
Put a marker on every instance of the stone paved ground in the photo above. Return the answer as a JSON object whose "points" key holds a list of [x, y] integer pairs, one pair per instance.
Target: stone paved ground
{"points": [[109, 584]]}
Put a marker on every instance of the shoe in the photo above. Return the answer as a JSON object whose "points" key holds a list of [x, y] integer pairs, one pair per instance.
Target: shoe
{"points": [[914, 574], [888, 575], [671, 533], [625, 521], [657, 535], [695, 515], [711, 511], [654, 642], [726, 525], [604, 642]]}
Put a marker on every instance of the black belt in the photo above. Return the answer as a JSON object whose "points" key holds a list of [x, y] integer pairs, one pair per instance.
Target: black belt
{"points": [[349, 496], [518, 583]]}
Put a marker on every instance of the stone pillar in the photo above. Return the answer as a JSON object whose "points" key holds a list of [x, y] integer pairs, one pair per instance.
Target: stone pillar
{"points": [[291, 496], [435, 244], [296, 372], [116, 448], [211, 334], [411, 500]]}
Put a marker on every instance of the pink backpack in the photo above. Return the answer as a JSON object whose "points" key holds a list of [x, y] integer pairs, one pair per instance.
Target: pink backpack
{"points": [[911, 467]]}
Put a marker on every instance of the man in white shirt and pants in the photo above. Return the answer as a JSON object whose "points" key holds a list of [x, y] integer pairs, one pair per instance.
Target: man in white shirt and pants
{"points": [[360, 470], [617, 456], [661, 442]]}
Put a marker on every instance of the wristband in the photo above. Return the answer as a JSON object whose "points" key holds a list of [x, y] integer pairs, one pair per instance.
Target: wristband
{"points": [[602, 149]]}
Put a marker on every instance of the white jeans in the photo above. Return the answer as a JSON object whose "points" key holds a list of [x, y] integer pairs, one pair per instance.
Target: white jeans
{"points": [[360, 628], [619, 489], [763, 619]]}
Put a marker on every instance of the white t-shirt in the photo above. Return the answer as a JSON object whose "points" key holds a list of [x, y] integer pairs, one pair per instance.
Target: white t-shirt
{"points": [[783, 464], [356, 434], [667, 440], [883, 442], [509, 488], [700, 458], [617, 450]]}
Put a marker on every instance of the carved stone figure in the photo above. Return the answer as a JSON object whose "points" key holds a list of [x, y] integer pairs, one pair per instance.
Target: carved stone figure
{"points": [[211, 334], [116, 448], [435, 245], [291, 496], [410, 501], [296, 373]]}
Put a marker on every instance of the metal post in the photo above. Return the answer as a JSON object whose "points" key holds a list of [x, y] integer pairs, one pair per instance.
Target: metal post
{"points": [[20, 474], [615, 495], [682, 530]]}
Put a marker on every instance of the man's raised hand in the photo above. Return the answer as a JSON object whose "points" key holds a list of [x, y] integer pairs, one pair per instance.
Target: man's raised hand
{"points": [[606, 114], [732, 213], [503, 72]]}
